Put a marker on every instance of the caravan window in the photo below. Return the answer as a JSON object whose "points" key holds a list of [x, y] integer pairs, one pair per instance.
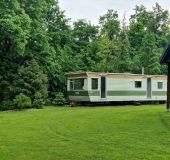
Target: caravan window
{"points": [[138, 84], [94, 83], [160, 85], [78, 84], [71, 85]]}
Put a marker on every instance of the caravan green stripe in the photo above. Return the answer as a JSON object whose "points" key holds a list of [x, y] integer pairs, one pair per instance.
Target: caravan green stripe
{"points": [[84, 93], [116, 93], [78, 93], [159, 93], [94, 93], [126, 93]]}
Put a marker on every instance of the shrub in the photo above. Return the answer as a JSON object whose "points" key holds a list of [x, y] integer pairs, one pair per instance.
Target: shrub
{"points": [[21, 76], [38, 100], [22, 101], [59, 99], [31, 80], [48, 101], [7, 105]]}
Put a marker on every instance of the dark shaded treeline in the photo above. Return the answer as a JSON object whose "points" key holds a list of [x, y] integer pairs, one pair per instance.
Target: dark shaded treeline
{"points": [[38, 46]]}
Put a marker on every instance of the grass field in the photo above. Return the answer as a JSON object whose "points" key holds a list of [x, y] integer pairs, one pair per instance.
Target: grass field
{"points": [[96, 133]]}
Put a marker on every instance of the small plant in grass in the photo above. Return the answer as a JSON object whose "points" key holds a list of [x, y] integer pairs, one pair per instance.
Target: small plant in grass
{"points": [[22, 101], [59, 99]]}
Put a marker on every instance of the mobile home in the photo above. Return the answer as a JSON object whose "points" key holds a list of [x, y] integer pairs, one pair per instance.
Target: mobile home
{"points": [[115, 87]]}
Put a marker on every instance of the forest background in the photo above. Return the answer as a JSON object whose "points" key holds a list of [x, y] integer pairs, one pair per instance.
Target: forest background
{"points": [[38, 45]]}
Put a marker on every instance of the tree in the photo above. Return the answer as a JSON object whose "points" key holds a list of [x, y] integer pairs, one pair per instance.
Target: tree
{"points": [[108, 56], [58, 28], [148, 33], [30, 79], [108, 51], [84, 31], [14, 31], [84, 34], [109, 24], [150, 55], [124, 57]]}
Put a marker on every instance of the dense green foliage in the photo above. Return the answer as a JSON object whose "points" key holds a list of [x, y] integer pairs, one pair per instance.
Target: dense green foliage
{"points": [[38, 45], [58, 99], [99, 133], [22, 101]]}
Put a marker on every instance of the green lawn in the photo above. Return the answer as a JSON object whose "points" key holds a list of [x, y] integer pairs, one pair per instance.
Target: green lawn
{"points": [[96, 133]]}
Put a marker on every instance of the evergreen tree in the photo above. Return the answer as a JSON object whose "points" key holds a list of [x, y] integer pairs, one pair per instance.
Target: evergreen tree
{"points": [[124, 59]]}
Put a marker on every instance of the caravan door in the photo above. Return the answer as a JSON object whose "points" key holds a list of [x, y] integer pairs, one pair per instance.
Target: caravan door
{"points": [[103, 87], [149, 87]]}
